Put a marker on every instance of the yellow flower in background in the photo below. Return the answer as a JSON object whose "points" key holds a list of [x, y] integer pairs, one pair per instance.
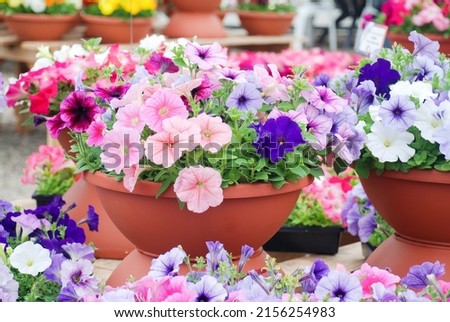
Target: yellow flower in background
{"points": [[107, 7], [131, 6], [14, 3], [149, 4]]}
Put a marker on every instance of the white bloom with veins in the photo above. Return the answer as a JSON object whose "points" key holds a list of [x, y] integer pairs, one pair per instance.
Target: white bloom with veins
{"points": [[431, 118], [30, 258], [388, 144], [420, 90]]}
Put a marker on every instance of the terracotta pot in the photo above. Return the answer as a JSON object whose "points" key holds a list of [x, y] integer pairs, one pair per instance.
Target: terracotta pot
{"points": [[108, 241], [195, 18], [40, 27], [116, 30], [402, 39], [417, 205], [250, 214], [266, 23]]}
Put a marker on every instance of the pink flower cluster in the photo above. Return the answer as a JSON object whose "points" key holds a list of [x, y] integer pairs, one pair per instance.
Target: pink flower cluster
{"points": [[48, 159], [317, 60]]}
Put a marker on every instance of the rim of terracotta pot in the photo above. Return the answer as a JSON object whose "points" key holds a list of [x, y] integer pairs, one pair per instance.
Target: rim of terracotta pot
{"points": [[33, 16], [94, 18], [427, 175], [405, 36], [238, 191], [197, 5], [257, 14]]}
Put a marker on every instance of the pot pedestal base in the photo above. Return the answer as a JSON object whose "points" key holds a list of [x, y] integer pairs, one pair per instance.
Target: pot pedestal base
{"points": [[137, 265], [108, 241], [399, 254], [190, 24]]}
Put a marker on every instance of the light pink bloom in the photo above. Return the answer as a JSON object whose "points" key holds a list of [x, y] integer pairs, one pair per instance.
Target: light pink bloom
{"points": [[370, 275], [214, 133], [205, 56], [96, 132], [160, 106], [324, 98], [199, 187], [121, 149], [167, 146], [273, 89], [131, 116], [137, 93], [131, 176]]}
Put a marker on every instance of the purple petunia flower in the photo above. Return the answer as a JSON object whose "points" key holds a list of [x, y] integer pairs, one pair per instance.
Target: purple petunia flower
{"points": [[425, 68], [53, 273], [339, 286], [317, 270], [322, 80], [115, 91], [245, 97], [78, 110], [424, 46], [364, 96], [398, 112], [5, 207], [381, 74], [216, 254], [246, 253], [167, 264], [366, 225], [417, 276], [55, 125], [77, 251], [441, 136], [160, 64], [79, 274], [91, 219], [68, 294], [278, 137], [205, 56], [208, 289]]}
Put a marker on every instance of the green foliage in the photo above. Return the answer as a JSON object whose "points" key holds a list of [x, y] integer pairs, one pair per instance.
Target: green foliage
{"points": [[57, 183], [281, 8], [308, 212]]}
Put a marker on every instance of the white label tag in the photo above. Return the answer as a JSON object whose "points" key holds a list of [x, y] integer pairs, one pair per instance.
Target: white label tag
{"points": [[372, 38]]}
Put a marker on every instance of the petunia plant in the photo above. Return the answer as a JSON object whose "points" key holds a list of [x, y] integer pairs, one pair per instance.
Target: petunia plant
{"points": [[402, 103], [184, 118], [43, 257]]}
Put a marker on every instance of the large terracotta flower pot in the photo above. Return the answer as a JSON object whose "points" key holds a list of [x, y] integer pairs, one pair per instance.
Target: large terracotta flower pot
{"points": [[109, 242], [116, 30], [195, 18], [402, 39], [266, 23], [40, 27], [417, 205], [250, 214]]}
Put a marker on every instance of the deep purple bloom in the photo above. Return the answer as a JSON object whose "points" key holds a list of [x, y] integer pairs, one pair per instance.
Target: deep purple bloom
{"points": [[160, 64], [114, 91], [91, 219], [317, 270], [78, 110], [245, 97], [364, 96], [322, 80], [278, 137], [208, 289], [339, 286], [398, 112], [38, 120], [417, 275], [381, 74], [167, 264], [424, 46], [246, 253]]}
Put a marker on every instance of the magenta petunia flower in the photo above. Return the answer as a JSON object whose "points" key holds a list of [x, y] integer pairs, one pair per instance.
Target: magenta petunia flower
{"points": [[205, 56], [78, 110], [324, 98], [214, 133], [199, 187], [55, 125], [160, 64], [115, 91], [370, 275], [96, 132], [162, 105]]}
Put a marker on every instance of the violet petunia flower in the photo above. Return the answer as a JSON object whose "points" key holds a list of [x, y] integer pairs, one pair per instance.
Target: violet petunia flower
{"points": [[323, 98], [5, 207], [245, 97], [77, 251], [114, 91], [79, 274], [398, 112], [441, 136], [92, 219], [278, 137], [364, 96], [208, 289], [78, 110], [160, 64], [381, 74], [425, 68], [246, 253], [417, 276], [315, 273], [366, 225], [322, 80], [424, 46], [205, 56], [167, 264], [339, 286], [53, 273], [216, 254]]}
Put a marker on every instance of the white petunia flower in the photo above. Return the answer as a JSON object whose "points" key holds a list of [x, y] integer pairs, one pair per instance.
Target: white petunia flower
{"points": [[420, 90], [431, 118], [38, 6], [152, 42], [30, 258], [388, 144]]}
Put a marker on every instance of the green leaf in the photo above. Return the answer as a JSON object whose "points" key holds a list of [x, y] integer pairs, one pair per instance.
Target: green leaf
{"points": [[163, 188]]}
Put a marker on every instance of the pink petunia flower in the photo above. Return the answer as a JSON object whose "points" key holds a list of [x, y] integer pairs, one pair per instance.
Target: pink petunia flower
{"points": [[214, 133], [199, 187], [121, 149], [324, 98], [131, 176], [96, 132], [167, 289], [162, 105], [369, 275], [167, 146], [132, 116], [206, 56]]}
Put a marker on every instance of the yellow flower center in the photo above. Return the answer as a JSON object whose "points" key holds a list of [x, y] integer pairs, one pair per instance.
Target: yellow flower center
{"points": [[163, 111]]}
